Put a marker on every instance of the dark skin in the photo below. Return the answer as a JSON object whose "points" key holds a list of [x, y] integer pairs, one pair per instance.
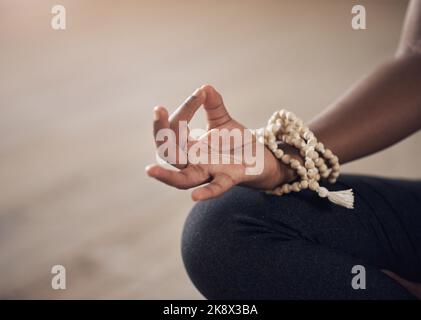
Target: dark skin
{"points": [[378, 111]]}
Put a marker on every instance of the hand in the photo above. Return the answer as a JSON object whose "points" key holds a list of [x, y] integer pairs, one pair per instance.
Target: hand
{"points": [[217, 177]]}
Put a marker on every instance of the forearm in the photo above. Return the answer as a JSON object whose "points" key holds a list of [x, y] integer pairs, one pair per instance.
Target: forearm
{"points": [[380, 110], [383, 108], [410, 42]]}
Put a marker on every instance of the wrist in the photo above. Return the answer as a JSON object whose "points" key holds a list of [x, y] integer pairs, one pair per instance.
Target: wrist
{"points": [[289, 174], [277, 173]]}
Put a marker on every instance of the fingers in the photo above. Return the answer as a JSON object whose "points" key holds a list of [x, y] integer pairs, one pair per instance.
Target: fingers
{"points": [[174, 151], [187, 109], [160, 122], [190, 177], [221, 183], [177, 123], [180, 118], [216, 112]]}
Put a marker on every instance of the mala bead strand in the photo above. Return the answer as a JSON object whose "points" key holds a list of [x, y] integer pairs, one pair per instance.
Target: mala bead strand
{"points": [[319, 161]]}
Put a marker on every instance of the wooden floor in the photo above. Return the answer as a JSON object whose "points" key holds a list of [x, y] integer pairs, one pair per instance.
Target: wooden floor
{"points": [[75, 123]]}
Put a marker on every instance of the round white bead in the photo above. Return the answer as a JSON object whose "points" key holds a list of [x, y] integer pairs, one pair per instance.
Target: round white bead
{"points": [[320, 147], [328, 154], [279, 153], [319, 162], [309, 164], [296, 187], [313, 185], [294, 164], [282, 114], [273, 146], [334, 174], [325, 174], [304, 184], [286, 188], [323, 192], [323, 168], [301, 171], [286, 158], [312, 142]]}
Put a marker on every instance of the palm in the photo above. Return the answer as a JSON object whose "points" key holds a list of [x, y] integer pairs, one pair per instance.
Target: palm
{"points": [[220, 177]]}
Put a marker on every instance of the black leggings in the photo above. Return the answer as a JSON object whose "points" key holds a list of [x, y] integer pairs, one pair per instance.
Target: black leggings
{"points": [[249, 245]]}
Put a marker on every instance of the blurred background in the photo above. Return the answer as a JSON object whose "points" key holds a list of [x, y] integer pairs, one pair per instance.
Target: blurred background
{"points": [[76, 111]]}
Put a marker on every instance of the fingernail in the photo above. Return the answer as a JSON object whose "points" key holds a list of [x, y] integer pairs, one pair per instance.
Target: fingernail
{"points": [[156, 114]]}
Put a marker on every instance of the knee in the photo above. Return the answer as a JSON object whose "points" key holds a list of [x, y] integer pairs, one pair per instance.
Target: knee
{"points": [[223, 237], [206, 243]]}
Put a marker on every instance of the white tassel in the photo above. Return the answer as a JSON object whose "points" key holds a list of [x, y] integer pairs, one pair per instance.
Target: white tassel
{"points": [[344, 198]]}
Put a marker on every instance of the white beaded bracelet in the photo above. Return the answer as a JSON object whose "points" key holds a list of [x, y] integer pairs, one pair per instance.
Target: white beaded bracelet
{"points": [[284, 126]]}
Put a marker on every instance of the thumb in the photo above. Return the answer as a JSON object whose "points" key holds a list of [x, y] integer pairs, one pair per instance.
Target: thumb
{"points": [[216, 112]]}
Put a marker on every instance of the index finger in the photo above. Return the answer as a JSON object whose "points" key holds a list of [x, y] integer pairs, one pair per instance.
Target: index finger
{"points": [[188, 108]]}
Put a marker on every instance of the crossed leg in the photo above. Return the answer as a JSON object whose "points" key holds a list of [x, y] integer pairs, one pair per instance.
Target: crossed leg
{"points": [[248, 245]]}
